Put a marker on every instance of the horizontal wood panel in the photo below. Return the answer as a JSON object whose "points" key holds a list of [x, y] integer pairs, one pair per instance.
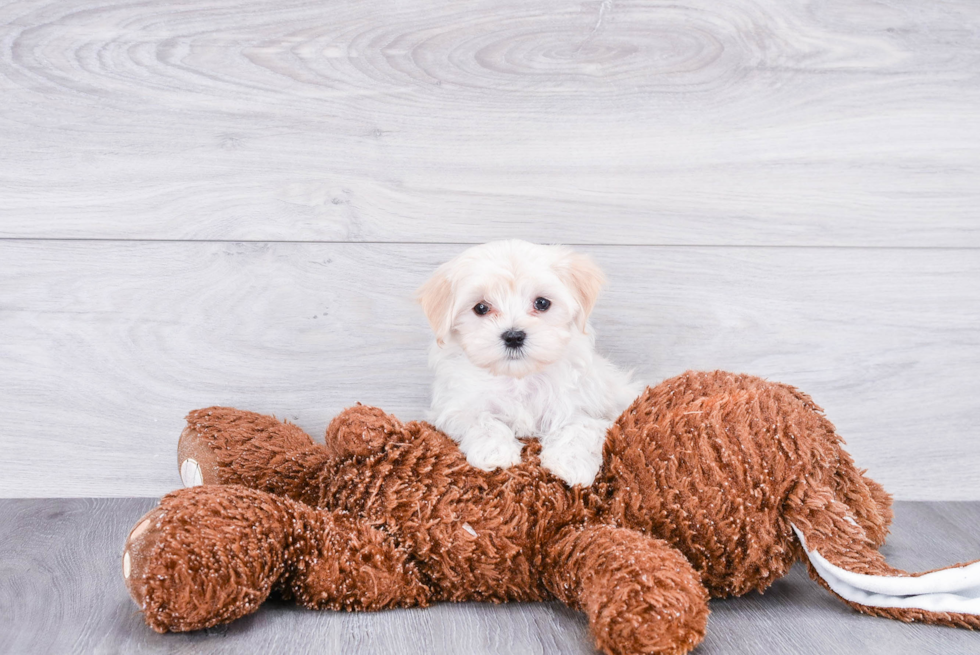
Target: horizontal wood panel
{"points": [[652, 122], [105, 346]]}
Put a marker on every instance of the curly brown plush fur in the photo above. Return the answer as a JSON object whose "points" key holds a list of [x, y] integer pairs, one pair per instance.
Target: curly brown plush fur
{"points": [[704, 478]]}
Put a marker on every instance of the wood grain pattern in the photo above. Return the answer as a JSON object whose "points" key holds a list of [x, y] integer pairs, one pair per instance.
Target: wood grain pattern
{"points": [[693, 122], [107, 345], [61, 591], [303, 126]]}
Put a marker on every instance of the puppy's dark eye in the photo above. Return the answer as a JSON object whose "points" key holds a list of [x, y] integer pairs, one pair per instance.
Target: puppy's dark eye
{"points": [[542, 304], [481, 308]]}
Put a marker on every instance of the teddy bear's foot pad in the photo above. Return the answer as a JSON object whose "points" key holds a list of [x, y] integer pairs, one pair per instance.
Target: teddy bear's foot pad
{"points": [[190, 473]]}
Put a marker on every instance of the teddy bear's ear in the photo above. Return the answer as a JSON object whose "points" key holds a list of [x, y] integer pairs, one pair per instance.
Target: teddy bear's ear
{"points": [[584, 277], [436, 298]]}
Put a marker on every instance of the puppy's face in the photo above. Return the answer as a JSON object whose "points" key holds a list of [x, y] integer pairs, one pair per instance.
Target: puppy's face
{"points": [[512, 306]]}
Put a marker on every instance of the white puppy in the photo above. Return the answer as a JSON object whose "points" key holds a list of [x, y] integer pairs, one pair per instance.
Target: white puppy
{"points": [[514, 357]]}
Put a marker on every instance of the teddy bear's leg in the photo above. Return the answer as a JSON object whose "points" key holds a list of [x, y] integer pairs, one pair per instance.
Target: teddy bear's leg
{"points": [[844, 559], [209, 555], [640, 594], [870, 504]]}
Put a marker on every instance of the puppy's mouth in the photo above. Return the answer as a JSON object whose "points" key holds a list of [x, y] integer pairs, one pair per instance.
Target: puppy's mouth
{"points": [[515, 363], [514, 354]]}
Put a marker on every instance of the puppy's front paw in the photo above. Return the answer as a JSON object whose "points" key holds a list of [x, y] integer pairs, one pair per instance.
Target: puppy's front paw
{"points": [[491, 446], [571, 466], [575, 453]]}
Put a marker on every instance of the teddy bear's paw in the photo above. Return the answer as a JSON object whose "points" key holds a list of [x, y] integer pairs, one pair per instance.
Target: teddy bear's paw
{"points": [[209, 555], [196, 460], [361, 430], [190, 473], [136, 543]]}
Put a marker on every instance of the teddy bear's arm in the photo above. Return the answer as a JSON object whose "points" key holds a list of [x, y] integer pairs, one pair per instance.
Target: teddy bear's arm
{"points": [[639, 594], [209, 555], [222, 445]]}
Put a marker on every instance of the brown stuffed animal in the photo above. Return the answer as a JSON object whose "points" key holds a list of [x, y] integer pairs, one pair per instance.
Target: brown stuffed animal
{"points": [[712, 484]]}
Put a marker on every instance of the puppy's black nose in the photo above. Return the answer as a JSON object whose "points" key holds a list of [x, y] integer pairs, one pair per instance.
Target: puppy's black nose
{"points": [[513, 338]]}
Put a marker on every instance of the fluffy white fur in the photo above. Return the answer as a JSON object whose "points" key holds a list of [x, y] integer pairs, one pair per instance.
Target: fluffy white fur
{"points": [[553, 387]]}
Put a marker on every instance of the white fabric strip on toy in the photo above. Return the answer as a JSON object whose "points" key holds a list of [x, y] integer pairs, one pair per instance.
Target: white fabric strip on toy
{"points": [[948, 590]]}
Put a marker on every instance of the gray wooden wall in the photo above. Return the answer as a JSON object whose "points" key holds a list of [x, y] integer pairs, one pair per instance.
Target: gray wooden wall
{"points": [[231, 202]]}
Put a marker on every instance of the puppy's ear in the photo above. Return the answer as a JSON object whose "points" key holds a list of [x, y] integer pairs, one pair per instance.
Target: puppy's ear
{"points": [[584, 277], [436, 298]]}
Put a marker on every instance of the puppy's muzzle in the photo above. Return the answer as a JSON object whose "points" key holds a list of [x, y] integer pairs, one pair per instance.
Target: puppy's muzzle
{"points": [[513, 339]]}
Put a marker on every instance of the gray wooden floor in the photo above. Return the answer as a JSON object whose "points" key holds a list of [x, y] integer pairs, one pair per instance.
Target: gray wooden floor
{"points": [[61, 591]]}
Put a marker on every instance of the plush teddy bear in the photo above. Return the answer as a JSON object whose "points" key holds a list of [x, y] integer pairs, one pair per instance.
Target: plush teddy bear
{"points": [[712, 484]]}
